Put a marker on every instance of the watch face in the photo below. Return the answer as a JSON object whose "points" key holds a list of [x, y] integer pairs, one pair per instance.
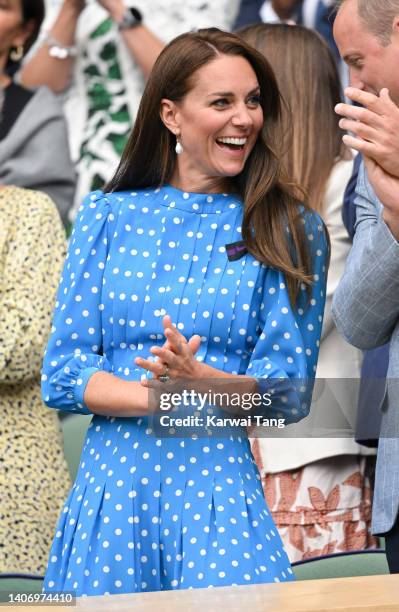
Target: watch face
{"points": [[136, 14], [131, 18]]}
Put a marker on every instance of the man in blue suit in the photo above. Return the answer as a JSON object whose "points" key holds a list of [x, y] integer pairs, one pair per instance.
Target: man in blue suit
{"points": [[366, 303]]}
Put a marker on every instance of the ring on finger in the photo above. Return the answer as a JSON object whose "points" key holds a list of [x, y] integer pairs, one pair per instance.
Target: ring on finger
{"points": [[165, 376]]}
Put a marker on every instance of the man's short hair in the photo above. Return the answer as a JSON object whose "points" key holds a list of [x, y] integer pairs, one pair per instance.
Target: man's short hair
{"points": [[378, 17]]}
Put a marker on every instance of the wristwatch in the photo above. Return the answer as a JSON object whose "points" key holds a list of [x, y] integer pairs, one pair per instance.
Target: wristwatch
{"points": [[132, 18]]}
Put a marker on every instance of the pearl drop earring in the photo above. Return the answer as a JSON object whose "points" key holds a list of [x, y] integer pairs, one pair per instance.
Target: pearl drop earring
{"points": [[178, 147]]}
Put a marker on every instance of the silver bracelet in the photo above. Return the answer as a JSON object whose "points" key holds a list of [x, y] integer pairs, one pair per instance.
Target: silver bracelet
{"points": [[58, 50]]}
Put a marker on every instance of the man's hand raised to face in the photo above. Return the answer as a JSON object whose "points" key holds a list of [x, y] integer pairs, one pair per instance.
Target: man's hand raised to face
{"points": [[375, 127]]}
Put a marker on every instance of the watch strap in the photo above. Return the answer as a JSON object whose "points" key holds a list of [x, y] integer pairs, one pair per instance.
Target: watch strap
{"points": [[132, 18]]}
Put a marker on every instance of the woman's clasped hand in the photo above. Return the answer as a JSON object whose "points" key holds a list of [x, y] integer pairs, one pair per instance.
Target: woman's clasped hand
{"points": [[177, 355]]}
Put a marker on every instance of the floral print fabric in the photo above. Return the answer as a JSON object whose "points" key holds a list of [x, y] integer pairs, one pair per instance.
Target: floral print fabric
{"points": [[323, 507]]}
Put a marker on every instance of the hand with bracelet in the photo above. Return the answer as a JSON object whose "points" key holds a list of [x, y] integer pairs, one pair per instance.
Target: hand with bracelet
{"points": [[53, 63], [125, 17], [60, 40]]}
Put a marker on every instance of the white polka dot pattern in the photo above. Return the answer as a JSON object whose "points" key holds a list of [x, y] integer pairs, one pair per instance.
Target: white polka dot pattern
{"points": [[144, 513]]}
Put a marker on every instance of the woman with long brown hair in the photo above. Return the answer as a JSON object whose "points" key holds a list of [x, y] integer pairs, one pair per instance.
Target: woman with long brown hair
{"points": [[198, 227], [319, 490]]}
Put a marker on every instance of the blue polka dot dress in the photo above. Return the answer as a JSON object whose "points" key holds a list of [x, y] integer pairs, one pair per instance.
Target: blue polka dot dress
{"points": [[148, 513]]}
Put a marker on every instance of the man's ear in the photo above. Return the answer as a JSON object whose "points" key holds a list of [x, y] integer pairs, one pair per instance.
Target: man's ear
{"points": [[170, 115]]}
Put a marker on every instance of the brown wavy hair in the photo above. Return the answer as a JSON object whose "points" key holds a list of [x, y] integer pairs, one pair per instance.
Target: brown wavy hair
{"points": [[309, 83], [270, 205]]}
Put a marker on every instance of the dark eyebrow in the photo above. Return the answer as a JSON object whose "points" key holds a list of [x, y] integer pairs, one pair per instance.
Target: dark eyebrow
{"points": [[226, 94], [221, 93]]}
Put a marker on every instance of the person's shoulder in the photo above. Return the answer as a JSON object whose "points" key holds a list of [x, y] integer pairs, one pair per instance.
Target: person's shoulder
{"points": [[115, 201], [43, 95], [43, 106], [32, 210], [119, 199], [27, 201], [95, 213], [95, 199], [100, 202]]}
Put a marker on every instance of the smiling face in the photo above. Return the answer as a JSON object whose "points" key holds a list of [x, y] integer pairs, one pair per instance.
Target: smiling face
{"points": [[217, 123], [372, 66]]}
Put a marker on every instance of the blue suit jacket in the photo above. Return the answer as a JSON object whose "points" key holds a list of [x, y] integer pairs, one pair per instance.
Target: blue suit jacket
{"points": [[375, 361], [366, 311]]}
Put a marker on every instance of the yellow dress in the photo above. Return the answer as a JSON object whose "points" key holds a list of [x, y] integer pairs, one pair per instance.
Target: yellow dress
{"points": [[34, 478]]}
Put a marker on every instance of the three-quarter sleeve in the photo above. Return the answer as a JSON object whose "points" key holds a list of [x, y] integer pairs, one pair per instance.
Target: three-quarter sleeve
{"points": [[288, 345], [74, 351], [32, 255]]}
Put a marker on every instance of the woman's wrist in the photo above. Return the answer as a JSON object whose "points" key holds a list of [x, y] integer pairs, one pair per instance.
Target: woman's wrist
{"points": [[73, 8], [116, 9], [205, 371], [109, 395]]}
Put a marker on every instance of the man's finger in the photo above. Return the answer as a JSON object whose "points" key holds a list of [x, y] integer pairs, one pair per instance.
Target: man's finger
{"points": [[359, 114], [367, 148], [365, 98], [384, 95], [361, 130]]}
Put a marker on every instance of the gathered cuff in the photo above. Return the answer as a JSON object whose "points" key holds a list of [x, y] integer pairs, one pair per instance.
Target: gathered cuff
{"points": [[66, 387], [264, 368]]}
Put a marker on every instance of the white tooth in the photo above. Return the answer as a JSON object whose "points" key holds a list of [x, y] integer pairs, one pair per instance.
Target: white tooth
{"points": [[234, 141]]}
